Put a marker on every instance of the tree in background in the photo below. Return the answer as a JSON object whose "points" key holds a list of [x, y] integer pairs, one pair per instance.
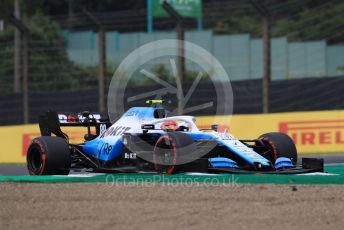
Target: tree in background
{"points": [[322, 21], [59, 7], [50, 67], [298, 20]]}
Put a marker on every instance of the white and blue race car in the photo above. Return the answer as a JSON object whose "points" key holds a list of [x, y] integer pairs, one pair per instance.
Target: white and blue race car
{"points": [[145, 139]]}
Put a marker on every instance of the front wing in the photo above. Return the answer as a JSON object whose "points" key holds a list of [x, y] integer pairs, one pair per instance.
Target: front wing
{"points": [[308, 165]]}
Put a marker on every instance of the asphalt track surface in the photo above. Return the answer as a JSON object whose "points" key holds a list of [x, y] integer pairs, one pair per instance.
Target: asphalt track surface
{"points": [[20, 169]]}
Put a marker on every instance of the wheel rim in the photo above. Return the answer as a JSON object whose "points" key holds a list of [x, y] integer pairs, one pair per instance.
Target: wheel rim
{"points": [[36, 159], [166, 154], [273, 152]]}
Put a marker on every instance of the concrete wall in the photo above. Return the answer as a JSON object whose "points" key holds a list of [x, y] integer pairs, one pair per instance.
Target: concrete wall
{"points": [[241, 55]]}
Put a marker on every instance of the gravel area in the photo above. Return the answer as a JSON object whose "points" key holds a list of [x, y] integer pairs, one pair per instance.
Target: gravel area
{"points": [[170, 206]]}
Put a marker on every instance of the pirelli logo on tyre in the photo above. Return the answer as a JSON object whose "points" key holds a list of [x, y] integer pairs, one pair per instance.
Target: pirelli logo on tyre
{"points": [[313, 133]]}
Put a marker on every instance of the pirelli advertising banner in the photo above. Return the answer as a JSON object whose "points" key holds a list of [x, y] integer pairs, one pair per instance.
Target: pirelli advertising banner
{"points": [[313, 132], [16, 139]]}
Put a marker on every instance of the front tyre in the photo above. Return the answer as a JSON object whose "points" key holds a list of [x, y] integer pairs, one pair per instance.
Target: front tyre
{"points": [[279, 145], [170, 149], [48, 156]]}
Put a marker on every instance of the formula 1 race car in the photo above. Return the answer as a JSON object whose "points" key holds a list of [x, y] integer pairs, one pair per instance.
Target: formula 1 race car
{"points": [[145, 139]]}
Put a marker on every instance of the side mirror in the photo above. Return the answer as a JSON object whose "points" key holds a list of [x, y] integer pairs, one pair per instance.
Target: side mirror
{"points": [[86, 114], [147, 126], [214, 127]]}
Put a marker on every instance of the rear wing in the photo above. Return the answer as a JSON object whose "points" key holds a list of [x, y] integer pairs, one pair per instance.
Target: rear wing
{"points": [[51, 123]]}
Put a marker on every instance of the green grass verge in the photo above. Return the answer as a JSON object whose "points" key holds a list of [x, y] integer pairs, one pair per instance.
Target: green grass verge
{"points": [[227, 179]]}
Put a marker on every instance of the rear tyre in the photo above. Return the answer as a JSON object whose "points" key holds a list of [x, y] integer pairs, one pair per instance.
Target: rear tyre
{"points": [[169, 149], [48, 156], [280, 145]]}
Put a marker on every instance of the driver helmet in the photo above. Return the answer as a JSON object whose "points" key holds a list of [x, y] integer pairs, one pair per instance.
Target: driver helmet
{"points": [[169, 125]]}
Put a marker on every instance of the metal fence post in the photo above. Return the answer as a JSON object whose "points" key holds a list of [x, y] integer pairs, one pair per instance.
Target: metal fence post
{"points": [[25, 39], [102, 59]]}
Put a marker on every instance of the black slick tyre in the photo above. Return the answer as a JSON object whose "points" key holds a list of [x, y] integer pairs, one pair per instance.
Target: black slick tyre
{"points": [[48, 156], [280, 145]]}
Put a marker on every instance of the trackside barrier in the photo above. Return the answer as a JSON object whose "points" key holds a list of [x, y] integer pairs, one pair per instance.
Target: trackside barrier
{"points": [[313, 132], [16, 139]]}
